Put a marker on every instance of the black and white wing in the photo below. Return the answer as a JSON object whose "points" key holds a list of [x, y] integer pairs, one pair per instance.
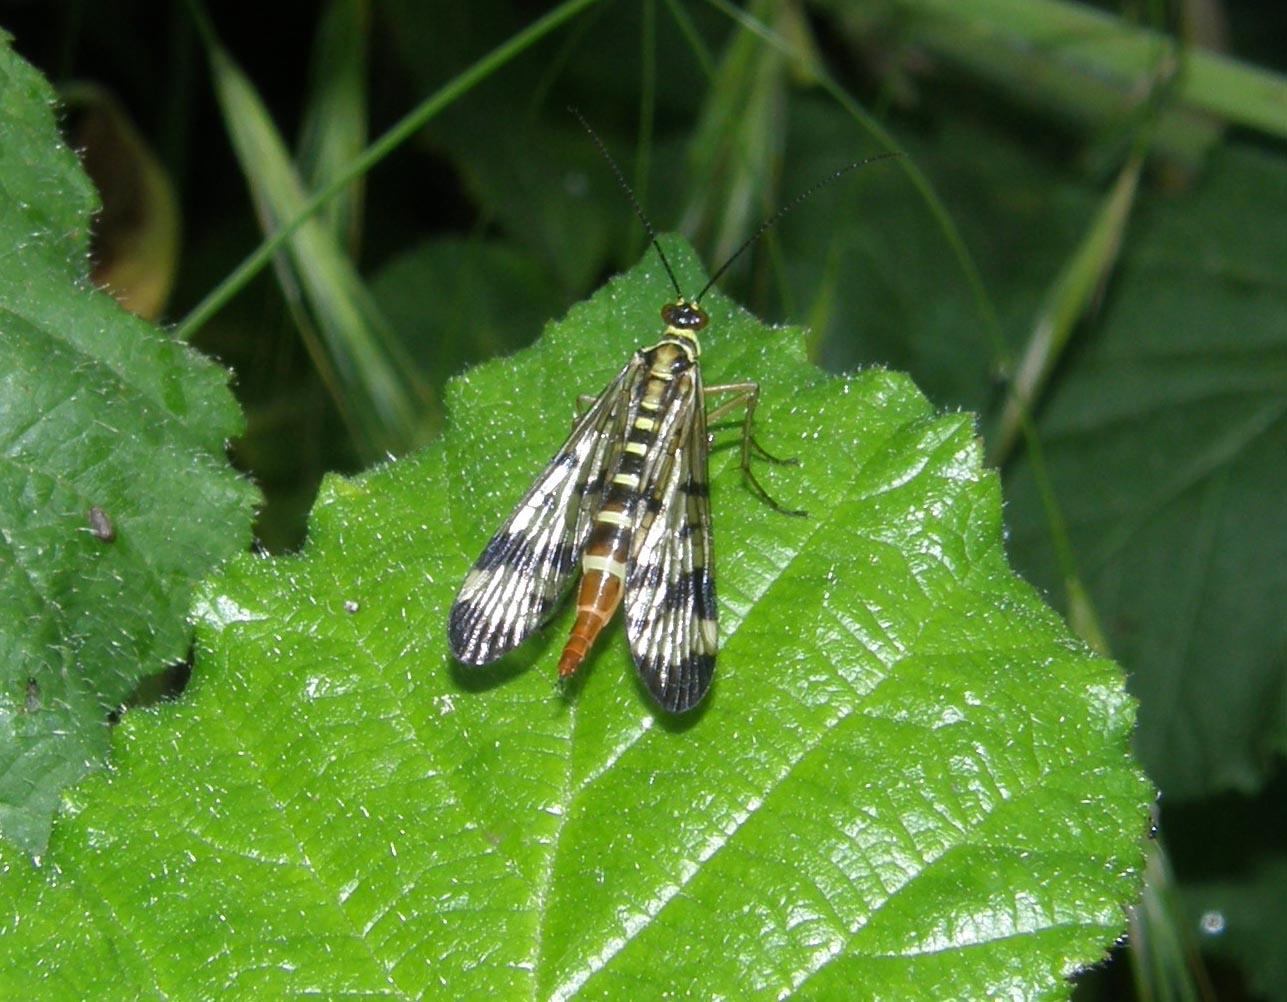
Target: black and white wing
{"points": [[523, 571], [670, 578]]}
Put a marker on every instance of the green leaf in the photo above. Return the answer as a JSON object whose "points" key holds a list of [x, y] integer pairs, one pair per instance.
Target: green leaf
{"points": [[1164, 440], [908, 775], [1162, 427], [115, 494]]}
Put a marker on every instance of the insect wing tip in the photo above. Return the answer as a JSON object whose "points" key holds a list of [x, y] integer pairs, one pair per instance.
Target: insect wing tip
{"points": [[466, 640], [682, 688]]}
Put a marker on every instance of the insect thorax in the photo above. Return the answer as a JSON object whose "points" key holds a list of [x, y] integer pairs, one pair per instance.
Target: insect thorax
{"points": [[674, 354], [678, 348]]}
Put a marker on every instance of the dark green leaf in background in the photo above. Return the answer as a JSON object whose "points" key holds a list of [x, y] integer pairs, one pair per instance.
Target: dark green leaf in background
{"points": [[457, 301], [909, 778], [115, 494], [1166, 441]]}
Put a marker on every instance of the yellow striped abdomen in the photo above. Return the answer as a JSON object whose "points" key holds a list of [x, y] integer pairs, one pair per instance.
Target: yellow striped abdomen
{"points": [[603, 575]]}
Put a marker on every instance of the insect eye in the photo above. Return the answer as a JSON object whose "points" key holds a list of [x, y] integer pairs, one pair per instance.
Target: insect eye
{"points": [[683, 316]]}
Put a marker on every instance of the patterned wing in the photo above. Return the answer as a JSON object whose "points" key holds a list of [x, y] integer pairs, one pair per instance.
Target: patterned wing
{"points": [[525, 568], [670, 578]]}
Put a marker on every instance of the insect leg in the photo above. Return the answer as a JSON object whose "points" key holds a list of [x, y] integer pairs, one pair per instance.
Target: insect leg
{"points": [[584, 401], [747, 395]]}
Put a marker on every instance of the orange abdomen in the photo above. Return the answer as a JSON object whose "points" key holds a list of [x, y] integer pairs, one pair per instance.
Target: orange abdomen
{"points": [[597, 600]]}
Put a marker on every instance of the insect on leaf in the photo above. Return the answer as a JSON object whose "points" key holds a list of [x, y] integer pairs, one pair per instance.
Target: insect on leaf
{"points": [[907, 772], [627, 497]]}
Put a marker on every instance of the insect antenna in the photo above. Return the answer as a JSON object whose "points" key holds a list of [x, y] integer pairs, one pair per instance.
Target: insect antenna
{"points": [[625, 186], [773, 219], [759, 231]]}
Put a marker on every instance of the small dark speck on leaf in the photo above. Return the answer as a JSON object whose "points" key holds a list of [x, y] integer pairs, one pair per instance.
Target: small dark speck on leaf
{"points": [[100, 524]]}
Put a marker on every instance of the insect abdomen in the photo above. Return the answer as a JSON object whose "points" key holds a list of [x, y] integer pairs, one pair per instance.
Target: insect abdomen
{"points": [[603, 574], [603, 579]]}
